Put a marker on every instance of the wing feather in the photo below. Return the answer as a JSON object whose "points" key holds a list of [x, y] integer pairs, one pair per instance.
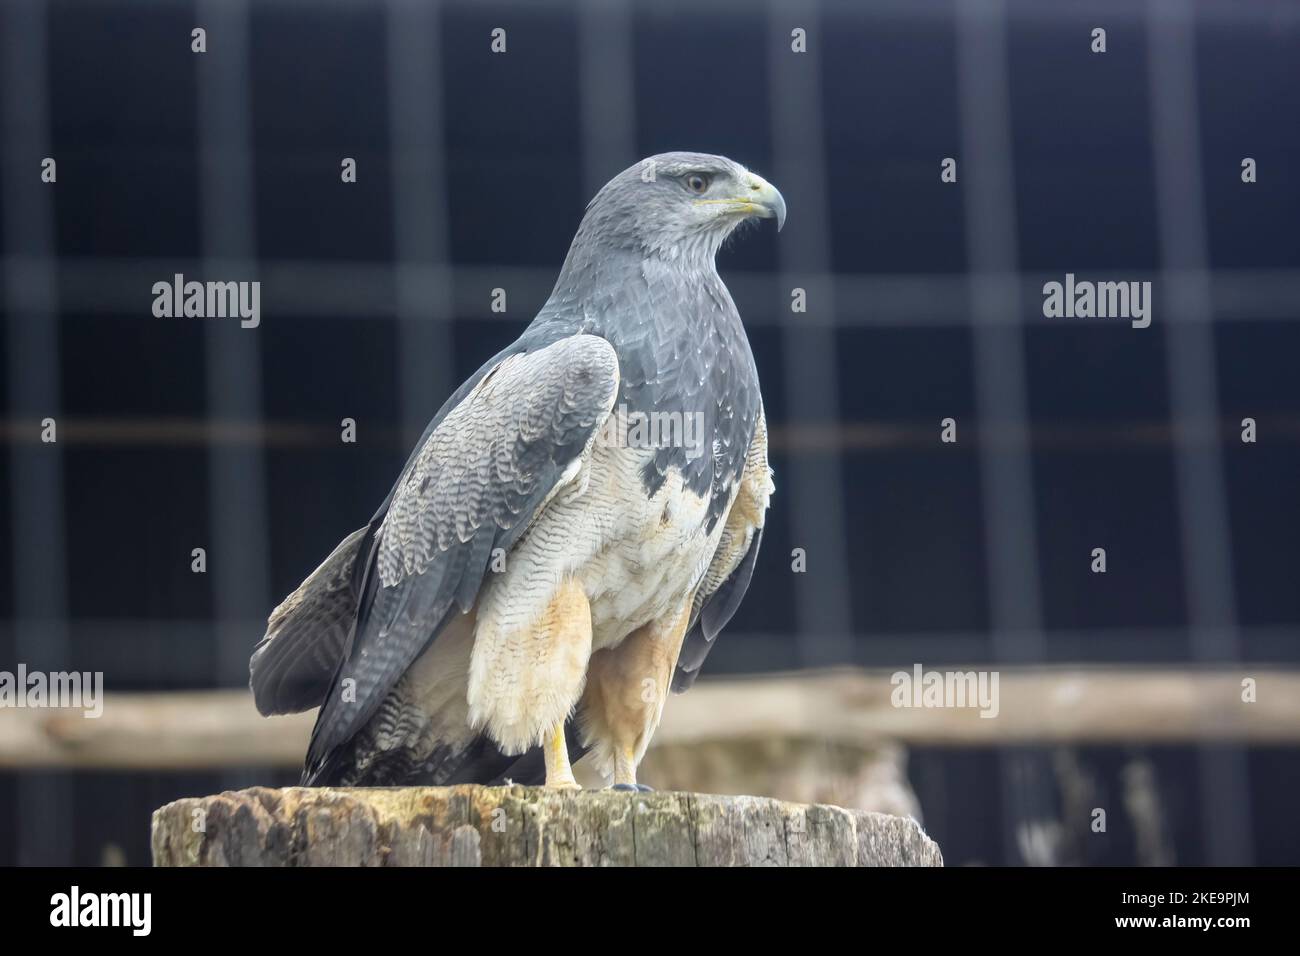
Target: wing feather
{"points": [[292, 665], [728, 574], [476, 484]]}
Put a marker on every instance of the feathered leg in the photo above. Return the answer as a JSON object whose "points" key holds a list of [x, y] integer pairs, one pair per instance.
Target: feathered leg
{"points": [[627, 687]]}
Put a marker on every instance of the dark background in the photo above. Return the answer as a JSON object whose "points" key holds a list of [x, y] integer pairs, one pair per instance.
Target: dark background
{"points": [[925, 303]]}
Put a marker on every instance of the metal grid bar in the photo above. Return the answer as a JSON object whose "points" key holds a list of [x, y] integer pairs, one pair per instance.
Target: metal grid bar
{"points": [[1194, 406], [814, 483], [1122, 11], [238, 559], [44, 806], [1001, 390], [367, 290], [423, 281], [1006, 468], [606, 85], [239, 549]]}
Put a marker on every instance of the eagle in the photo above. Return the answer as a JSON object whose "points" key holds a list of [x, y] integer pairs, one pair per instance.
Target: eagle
{"points": [[574, 528]]}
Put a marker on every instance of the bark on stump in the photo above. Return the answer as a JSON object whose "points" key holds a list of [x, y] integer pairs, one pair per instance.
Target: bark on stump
{"points": [[524, 826]]}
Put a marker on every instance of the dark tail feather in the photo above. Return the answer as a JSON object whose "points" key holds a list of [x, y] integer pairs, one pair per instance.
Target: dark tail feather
{"points": [[292, 666], [478, 762]]}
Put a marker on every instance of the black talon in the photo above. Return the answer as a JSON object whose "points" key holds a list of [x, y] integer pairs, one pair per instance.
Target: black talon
{"points": [[645, 788], [626, 786]]}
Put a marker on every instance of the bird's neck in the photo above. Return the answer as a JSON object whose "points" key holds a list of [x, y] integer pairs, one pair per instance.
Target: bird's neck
{"points": [[633, 284]]}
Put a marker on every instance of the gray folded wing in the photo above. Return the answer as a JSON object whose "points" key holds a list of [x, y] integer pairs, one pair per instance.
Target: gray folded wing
{"points": [[477, 483]]}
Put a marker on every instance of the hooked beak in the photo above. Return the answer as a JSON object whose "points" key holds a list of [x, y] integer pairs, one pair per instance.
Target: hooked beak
{"points": [[759, 198], [767, 200]]}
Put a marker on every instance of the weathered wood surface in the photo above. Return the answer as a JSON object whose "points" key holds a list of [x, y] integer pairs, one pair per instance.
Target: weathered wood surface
{"points": [[524, 826]]}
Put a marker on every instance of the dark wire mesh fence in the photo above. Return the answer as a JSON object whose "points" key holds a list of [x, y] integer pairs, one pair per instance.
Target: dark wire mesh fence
{"points": [[925, 303]]}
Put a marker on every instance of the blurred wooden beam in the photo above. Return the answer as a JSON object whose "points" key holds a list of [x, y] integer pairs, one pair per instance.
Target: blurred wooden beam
{"points": [[214, 729], [167, 731], [1035, 705]]}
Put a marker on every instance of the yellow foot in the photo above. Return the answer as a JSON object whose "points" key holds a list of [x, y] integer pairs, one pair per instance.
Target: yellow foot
{"points": [[559, 775], [625, 769]]}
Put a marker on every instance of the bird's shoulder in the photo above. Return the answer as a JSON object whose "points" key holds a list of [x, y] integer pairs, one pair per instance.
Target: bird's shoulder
{"points": [[509, 439]]}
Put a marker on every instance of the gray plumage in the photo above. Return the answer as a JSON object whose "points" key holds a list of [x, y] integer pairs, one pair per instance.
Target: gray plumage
{"points": [[639, 320], [472, 487]]}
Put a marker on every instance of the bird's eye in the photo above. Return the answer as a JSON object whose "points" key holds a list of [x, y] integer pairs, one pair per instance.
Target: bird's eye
{"points": [[697, 182]]}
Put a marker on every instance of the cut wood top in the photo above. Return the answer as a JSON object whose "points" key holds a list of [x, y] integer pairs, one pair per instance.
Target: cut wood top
{"points": [[524, 826]]}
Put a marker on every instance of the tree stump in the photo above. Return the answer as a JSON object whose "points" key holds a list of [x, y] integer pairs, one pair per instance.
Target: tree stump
{"points": [[524, 826]]}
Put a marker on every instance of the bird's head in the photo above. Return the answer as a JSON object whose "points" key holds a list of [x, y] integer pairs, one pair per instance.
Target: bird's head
{"points": [[679, 204]]}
